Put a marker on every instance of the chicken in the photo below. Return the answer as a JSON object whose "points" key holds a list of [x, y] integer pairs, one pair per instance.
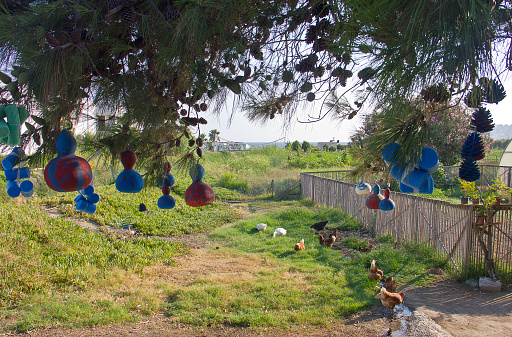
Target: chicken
{"points": [[319, 225], [279, 231], [299, 245], [364, 249], [390, 284], [321, 239], [334, 233], [330, 241], [390, 300], [375, 273], [261, 226]]}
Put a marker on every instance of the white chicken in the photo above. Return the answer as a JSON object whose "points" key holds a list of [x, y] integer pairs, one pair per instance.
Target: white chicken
{"points": [[279, 231], [261, 226]]}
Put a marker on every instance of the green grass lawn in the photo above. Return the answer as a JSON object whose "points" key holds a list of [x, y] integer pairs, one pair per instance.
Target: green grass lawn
{"points": [[115, 206], [313, 286]]}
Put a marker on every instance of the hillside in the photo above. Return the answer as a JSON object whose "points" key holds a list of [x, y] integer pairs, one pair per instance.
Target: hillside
{"points": [[502, 131]]}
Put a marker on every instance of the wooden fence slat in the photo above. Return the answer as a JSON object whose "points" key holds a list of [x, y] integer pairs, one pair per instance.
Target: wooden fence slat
{"points": [[440, 224]]}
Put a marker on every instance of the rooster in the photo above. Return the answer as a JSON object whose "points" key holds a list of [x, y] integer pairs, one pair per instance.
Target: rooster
{"points": [[375, 273], [390, 284], [364, 249], [330, 241], [299, 245], [319, 225], [321, 239], [390, 300]]}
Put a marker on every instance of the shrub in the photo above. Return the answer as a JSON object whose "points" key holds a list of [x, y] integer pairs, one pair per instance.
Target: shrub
{"points": [[229, 181]]}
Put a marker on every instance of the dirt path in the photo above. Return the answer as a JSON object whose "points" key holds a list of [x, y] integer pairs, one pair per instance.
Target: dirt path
{"points": [[443, 310]]}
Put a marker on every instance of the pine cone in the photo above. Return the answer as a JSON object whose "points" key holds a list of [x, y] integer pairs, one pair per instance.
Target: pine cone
{"points": [[127, 15], [52, 40]]}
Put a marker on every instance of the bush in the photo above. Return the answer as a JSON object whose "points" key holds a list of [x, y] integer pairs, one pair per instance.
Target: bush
{"points": [[229, 181], [320, 159]]}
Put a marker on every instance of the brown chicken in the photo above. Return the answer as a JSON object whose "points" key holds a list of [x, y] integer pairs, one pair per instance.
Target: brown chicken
{"points": [[299, 245], [330, 241], [390, 284], [321, 239], [335, 233], [364, 249], [375, 273], [390, 300]]}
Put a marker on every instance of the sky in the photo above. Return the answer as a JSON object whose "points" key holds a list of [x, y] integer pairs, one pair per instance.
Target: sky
{"points": [[241, 130]]}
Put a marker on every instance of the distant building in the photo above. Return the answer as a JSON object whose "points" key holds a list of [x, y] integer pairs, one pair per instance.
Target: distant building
{"points": [[330, 143], [228, 146], [105, 121]]}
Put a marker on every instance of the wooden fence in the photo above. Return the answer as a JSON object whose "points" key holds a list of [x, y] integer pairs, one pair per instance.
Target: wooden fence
{"points": [[487, 174], [450, 229]]}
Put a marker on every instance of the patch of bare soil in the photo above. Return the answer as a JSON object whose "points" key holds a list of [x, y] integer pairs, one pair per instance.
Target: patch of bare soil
{"points": [[464, 310], [445, 309]]}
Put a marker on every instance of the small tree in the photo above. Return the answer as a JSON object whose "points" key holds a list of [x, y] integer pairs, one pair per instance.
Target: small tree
{"points": [[306, 146], [213, 136], [332, 149], [296, 146], [339, 147], [325, 147]]}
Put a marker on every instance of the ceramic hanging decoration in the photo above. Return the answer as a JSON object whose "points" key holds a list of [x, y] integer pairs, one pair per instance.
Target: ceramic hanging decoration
{"points": [[198, 193], [386, 204], [10, 132], [86, 201], [67, 172], [473, 148], [167, 175], [413, 179], [166, 201], [12, 175], [129, 180], [363, 188], [374, 199]]}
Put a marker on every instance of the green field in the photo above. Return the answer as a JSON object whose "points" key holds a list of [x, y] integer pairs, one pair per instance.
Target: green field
{"points": [[55, 273]]}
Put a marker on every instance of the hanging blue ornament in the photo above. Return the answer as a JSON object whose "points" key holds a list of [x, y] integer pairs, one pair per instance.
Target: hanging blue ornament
{"points": [[129, 180], [469, 171], [473, 148]]}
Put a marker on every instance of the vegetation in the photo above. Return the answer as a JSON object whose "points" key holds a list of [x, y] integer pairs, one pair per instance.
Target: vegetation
{"points": [[159, 65], [54, 272]]}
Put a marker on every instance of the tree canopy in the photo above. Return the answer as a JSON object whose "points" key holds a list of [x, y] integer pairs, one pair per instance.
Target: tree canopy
{"points": [[160, 65]]}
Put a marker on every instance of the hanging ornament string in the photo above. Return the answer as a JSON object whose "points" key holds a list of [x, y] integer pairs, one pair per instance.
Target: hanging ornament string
{"points": [[100, 154]]}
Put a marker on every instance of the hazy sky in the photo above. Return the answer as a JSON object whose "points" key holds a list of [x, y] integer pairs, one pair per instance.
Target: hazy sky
{"points": [[242, 130]]}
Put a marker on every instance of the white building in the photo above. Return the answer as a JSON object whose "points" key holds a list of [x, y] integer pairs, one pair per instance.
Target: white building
{"points": [[330, 143]]}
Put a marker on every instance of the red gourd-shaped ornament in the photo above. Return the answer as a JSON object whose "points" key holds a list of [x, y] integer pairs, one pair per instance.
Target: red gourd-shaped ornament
{"points": [[166, 201], [387, 204], [374, 199], [129, 180], [67, 172], [198, 193]]}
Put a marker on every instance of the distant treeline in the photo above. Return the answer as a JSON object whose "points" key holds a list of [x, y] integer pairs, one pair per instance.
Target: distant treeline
{"points": [[500, 144]]}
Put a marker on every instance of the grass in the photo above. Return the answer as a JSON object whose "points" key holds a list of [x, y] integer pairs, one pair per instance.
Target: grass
{"points": [[115, 206], [313, 286], [56, 273]]}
